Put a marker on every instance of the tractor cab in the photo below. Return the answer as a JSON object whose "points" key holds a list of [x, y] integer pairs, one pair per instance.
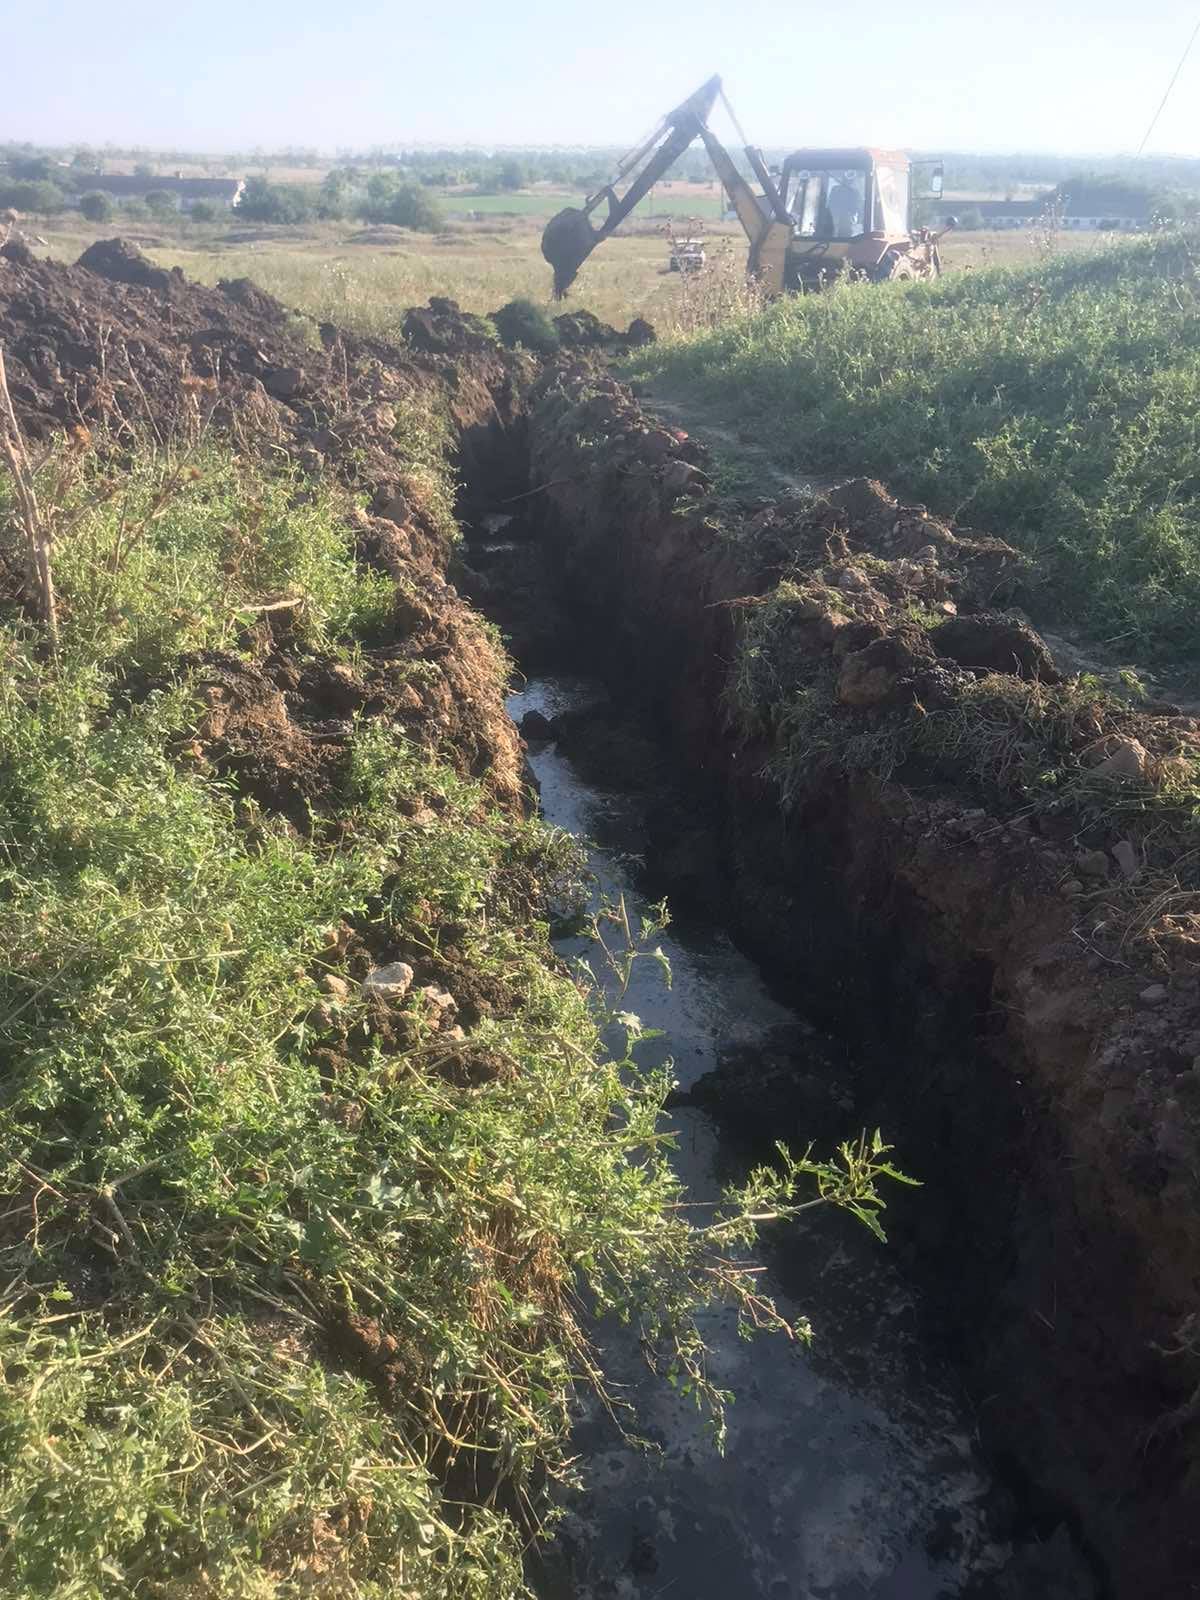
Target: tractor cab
{"points": [[850, 210]]}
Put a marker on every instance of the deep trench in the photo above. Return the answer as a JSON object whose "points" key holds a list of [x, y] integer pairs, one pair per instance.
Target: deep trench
{"points": [[917, 1494]]}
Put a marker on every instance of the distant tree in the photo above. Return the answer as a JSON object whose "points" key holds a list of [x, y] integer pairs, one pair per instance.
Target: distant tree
{"points": [[401, 202], [333, 195], [33, 169], [263, 201], [970, 218], [144, 170], [96, 206], [511, 174], [85, 161], [1107, 194], [43, 199], [203, 211], [161, 204]]}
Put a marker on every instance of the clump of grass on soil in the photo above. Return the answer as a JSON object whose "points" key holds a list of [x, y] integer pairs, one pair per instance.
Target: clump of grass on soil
{"points": [[279, 1319], [522, 323], [1054, 404]]}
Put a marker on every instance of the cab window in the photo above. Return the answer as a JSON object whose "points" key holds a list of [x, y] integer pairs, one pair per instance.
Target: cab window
{"points": [[828, 205]]}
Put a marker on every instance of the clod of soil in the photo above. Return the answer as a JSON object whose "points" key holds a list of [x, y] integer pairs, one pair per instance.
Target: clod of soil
{"points": [[122, 262], [991, 641]]}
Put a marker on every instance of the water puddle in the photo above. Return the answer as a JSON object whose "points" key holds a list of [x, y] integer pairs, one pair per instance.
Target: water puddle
{"points": [[851, 1469]]}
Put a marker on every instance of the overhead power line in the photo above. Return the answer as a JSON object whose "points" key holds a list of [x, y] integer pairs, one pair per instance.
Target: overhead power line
{"points": [[1174, 80]]}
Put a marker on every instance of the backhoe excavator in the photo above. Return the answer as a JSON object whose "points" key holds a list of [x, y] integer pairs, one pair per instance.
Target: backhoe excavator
{"points": [[823, 213]]}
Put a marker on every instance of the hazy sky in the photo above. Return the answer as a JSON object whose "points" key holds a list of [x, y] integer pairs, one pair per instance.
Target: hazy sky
{"points": [[1072, 75]]}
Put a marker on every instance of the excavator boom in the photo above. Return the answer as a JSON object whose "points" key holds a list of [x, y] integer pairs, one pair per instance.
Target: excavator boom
{"points": [[570, 237]]}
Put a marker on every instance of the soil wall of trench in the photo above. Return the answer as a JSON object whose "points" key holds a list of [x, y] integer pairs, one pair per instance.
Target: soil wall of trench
{"points": [[1037, 1084]]}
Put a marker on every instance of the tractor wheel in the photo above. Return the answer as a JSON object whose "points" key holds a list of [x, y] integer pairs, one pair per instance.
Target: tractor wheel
{"points": [[895, 267]]}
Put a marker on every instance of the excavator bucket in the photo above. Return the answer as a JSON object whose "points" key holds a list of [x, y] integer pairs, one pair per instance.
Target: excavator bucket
{"points": [[569, 237], [567, 241]]}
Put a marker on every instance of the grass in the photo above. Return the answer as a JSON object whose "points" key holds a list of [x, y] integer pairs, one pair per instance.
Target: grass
{"points": [[1053, 403], [317, 268], [284, 1315], [544, 203]]}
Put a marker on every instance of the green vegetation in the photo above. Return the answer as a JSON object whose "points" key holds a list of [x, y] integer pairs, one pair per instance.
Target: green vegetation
{"points": [[382, 197], [95, 206], [404, 204], [274, 202], [521, 322], [160, 203], [33, 195], [291, 1296], [1054, 404]]}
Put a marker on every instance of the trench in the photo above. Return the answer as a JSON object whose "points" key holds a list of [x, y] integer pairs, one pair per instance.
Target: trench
{"points": [[855, 1466]]}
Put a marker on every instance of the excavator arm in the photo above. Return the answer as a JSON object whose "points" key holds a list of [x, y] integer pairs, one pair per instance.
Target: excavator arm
{"points": [[570, 237]]}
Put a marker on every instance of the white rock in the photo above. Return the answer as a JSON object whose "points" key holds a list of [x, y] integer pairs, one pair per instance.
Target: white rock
{"points": [[1127, 759], [439, 1002], [391, 982]]}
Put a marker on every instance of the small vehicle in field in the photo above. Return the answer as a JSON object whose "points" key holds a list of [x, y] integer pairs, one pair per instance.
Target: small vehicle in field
{"points": [[823, 213], [687, 255]]}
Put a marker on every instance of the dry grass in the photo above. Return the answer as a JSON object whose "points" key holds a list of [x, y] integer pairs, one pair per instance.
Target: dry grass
{"points": [[318, 269]]}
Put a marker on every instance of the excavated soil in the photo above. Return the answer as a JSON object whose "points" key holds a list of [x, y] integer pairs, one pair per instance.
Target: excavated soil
{"points": [[118, 344], [1021, 976], [119, 349]]}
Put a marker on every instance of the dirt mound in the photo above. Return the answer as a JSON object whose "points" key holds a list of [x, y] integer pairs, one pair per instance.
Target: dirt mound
{"points": [[281, 730], [580, 330], [991, 641], [246, 293], [124, 347], [123, 262], [116, 342], [441, 328]]}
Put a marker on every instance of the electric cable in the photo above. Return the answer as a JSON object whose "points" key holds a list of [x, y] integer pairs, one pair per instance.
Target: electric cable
{"points": [[1174, 80]]}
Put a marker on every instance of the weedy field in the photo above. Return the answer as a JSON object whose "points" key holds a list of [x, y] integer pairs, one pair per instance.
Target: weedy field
{"points": [[367, 277], [1054, 403]]}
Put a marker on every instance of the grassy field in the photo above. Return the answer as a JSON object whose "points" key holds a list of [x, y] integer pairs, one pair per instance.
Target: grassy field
{"points": [[1054, 403], [367, 278], [661, 201], [369, 285]]}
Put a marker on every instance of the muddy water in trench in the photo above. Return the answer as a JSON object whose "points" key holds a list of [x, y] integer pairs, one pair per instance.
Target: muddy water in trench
{"points": [[851, 1469]]}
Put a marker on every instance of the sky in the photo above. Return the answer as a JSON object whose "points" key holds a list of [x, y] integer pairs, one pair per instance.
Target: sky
{"points": [[1063, 75]]}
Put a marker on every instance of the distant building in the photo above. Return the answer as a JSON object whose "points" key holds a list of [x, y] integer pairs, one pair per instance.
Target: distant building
{"points": [[1108, 210], [184, 191]]}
